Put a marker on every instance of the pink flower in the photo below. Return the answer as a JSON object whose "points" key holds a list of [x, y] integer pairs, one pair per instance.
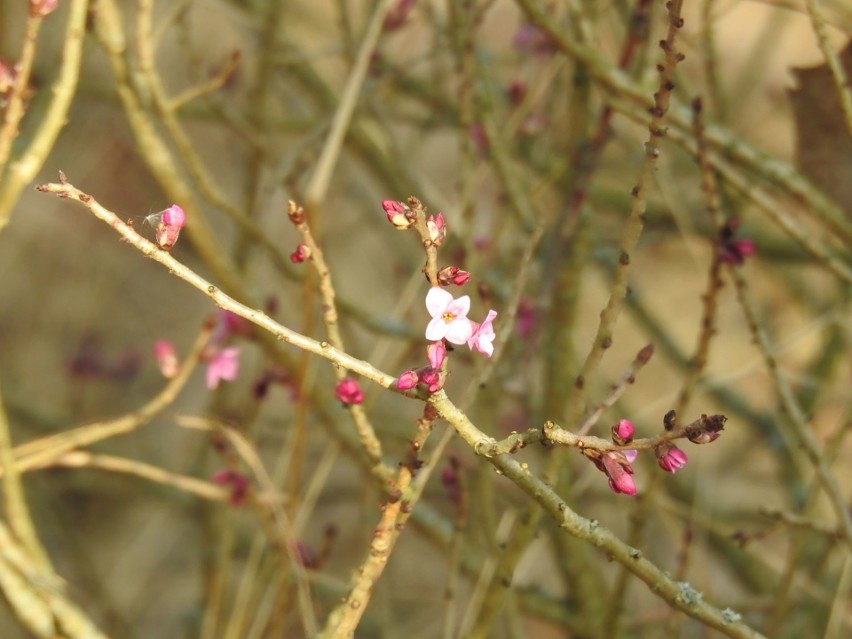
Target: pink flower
{"points": [[670, 457], [166, 356], [437, 229], [435, 353], [483, 335], [349, 392], [453, 275], [398, 214], [449, 317], [623, 431], [407, 380], [302, 253], [222, 365]]}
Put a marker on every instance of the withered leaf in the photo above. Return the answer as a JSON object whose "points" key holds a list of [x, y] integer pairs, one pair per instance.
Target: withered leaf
{"points": [[823, 145]]}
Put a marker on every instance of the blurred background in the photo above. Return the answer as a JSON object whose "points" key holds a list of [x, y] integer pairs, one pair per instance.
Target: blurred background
{"points": [[489, 120]]}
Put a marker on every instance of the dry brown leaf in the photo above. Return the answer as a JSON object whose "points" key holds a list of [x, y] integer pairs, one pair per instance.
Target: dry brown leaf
{"points": [[824, 146]]}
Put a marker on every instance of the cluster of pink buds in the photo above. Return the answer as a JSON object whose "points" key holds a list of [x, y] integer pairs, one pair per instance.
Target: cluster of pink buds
{"points": [[617, 464], [432, 376], [453, 275], [167, 225]]}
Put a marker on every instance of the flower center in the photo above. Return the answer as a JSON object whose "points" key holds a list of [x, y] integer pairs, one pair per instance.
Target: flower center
{"points": [[448, 317]]}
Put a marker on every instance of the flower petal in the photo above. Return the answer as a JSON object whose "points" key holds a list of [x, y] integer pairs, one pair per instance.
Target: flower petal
{"points": [[437, 301]]}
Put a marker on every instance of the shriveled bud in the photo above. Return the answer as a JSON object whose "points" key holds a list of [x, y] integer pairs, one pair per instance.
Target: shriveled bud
{"points": [[295, 213], [707, 429]]}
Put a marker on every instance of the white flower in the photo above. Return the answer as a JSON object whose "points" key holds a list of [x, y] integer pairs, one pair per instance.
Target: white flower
{"points": [[449, 317]]}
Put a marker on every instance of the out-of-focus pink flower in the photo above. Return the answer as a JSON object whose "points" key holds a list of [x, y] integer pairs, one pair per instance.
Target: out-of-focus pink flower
{"points": [[166, 356], [480, 139], [525, 319], [529, 39], [516, 91], [237, 482], [449, 317], [167, 225], [736, 251], [435, 353], [302, 253], [398, 14], [623, 432], [224, 364], [733, 250], [670, 457], [42, 8], [349, 392], [398, 214], [305, 555], [437, 229], [407, 380], [451, 479], [483, 335], [453, 275]]}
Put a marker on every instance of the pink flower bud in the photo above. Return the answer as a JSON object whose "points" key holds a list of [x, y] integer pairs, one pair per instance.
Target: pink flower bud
{"points": [[620, 474], [174, 216], [437, 229], [670, 457], [349, 392], [302, 253], [432, 378], [398, 214], [407, 380], [452, 275], [167, 226], [622, 432], [435, 353], [166, 356]]}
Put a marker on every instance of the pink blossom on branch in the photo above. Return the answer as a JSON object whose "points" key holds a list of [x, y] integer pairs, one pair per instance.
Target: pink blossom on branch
{"points": [[435, 353], [482, 339], [302, 253], [623, 431], [449, 317]]}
